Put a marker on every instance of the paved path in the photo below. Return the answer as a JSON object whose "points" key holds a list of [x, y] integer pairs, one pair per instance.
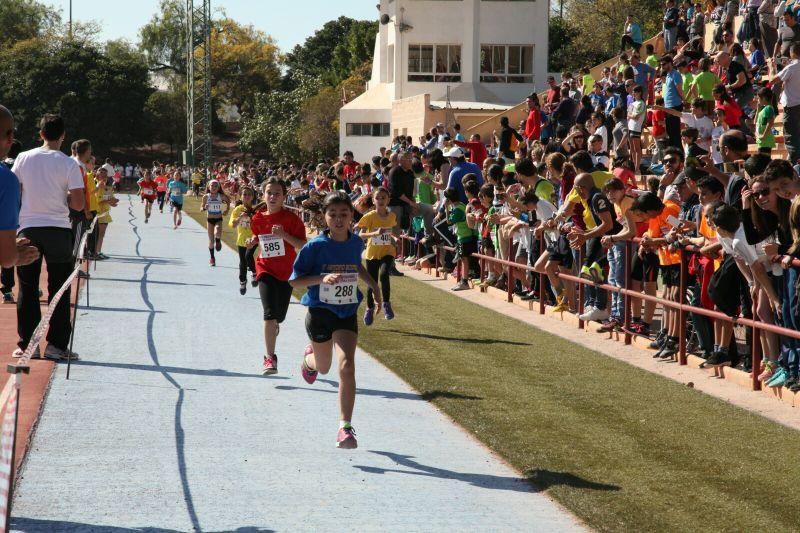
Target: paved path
{"points": [[167, 425]]}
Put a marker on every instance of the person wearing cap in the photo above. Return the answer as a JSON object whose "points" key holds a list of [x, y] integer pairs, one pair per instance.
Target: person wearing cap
{"points": [[460, 167], [672, 91]]}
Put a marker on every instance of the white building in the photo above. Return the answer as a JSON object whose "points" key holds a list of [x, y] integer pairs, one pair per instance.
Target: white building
{"points": [[490, 53]]}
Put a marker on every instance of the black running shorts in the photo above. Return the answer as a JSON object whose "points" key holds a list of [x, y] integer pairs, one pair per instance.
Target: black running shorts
{"points": [[275, 297], [321, 323], [645, 270]]}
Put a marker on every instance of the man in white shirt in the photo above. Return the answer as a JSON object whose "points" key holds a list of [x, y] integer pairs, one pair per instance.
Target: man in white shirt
{"points": [[51, 184], [109, 167], [787, 83]]}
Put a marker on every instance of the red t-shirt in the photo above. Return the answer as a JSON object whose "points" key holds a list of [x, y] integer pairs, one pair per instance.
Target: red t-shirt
{"points": [[533, 126], [733, 113], [261, 224], [152, 185], [161, 181], [657, 127]]}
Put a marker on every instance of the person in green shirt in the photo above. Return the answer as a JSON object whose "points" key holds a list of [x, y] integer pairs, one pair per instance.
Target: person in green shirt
{"points": [[467, 243], [652, 58], [703, 86], [765, 120], [686, 75]]}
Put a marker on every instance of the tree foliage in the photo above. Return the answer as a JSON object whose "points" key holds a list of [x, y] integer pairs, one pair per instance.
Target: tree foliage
{"points": [[590, 31], [21, 20], [318, 127], [271, 130], [245, 62], [334, 50], [100, 96], [163, 39]]}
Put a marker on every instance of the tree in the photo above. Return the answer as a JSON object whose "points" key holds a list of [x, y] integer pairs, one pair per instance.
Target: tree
{"points": [[21, 20], [272, 128], [100, 97], [318, 131], [594, 28], [163, 39], [166, 118], [334, 50], [245, 62]]}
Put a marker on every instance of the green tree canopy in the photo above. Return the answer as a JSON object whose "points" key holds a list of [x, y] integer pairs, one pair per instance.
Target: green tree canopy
{"points": [[25, 19], [334, 50], [100, 97]]}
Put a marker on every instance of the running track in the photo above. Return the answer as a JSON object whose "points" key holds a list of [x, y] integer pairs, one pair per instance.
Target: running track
{"points": [[167, 424]]}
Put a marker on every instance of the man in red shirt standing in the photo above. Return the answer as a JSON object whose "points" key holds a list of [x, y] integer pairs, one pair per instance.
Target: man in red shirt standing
{"points": [[553, 94], [477, 151], [533, 126]]}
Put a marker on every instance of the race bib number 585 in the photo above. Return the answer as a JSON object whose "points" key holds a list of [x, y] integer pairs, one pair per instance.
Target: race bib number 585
{"points": [[343, 292], [271, 246]]}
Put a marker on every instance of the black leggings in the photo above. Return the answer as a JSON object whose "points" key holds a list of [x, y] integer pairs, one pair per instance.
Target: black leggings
{"points": [[161, 196], [379, 270], [246, 262]]}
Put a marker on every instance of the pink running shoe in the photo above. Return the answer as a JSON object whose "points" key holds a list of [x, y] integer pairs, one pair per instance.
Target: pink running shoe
{"points": [[309, 375], [346, 439], [270, 365]]}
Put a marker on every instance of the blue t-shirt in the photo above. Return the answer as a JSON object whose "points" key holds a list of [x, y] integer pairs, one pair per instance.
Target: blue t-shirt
{"points": [[9, 199], [643, 72], [636, 32], [177, 189], [458, 172], [672, 81], [323, 255]]}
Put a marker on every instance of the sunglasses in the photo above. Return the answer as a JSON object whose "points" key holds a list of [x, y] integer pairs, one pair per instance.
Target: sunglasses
{"points": [[670, 160], [762, 193]]}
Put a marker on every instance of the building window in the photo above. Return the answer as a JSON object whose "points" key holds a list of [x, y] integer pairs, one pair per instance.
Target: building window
{"points": [[434, 62], [356, 129], [502, 63]]}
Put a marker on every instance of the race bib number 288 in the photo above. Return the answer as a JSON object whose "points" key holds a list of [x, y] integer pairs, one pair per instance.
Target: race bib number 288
{"points": [[343, 292]]}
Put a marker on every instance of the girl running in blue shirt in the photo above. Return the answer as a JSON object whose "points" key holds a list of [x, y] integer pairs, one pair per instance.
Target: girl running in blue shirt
{"points": [[329, 266]]}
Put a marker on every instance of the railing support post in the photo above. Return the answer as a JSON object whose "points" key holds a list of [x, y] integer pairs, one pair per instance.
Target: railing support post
{"points": [[682, 341], [626, 325]]}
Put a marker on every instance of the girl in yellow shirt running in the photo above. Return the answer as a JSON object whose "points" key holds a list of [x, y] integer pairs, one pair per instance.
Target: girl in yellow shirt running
{"points": [[240, 219], [376, 229]]}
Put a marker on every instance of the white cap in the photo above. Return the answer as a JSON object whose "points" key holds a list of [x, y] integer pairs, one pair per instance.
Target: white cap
{"points": [[454, 152]]}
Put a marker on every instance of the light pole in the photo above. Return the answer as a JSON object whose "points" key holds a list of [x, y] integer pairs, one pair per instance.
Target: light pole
{"points": [[70, 19]]}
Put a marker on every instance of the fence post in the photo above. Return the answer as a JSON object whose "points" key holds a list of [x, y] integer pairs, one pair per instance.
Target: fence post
{"points": [[682, 341], [755, 351], [510, 283], [580, 287], [626, 326], [542, 279], [17, 371]]}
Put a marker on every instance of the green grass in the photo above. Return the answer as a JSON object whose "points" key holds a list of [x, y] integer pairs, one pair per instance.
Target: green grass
{"points": [[623, 449]]}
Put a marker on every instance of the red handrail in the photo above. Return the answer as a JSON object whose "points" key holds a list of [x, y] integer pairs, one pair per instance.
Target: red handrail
{"points": [[627, 293]]}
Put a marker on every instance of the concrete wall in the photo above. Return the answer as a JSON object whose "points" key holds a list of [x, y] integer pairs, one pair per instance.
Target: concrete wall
{"points": [[363, 147], [468, 23]]}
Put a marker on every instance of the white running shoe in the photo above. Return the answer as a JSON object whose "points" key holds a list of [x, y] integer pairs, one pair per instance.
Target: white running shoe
{"points": [[594, 314]]}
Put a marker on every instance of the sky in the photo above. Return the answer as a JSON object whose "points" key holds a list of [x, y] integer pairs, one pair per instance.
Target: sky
{"points": [[288, 23]]}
